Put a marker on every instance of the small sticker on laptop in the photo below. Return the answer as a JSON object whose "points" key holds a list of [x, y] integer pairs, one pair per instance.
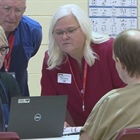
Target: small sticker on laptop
{"points": [[22, 101]]}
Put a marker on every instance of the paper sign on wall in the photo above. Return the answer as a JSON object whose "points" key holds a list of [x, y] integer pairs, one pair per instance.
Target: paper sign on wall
{"points": [[113, 16]]}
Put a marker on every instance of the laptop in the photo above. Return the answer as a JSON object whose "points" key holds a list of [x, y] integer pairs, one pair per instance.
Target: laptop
{"points": [[37, 117]]}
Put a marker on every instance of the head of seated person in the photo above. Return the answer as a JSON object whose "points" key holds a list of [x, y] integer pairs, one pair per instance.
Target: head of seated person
{"points": [[4, 47], [119, 108]]}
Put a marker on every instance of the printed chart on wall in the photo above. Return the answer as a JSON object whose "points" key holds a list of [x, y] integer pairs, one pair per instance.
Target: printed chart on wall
{"points": [[113, 16]]}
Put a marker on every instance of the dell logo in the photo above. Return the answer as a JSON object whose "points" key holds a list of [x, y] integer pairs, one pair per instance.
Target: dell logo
{"points": [[37, 117]]}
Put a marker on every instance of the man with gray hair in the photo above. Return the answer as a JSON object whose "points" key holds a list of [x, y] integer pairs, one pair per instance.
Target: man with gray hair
{"points": [[24, 37]]}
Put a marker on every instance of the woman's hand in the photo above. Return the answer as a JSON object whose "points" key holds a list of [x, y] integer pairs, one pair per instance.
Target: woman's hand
{"points": [[66, 125]]}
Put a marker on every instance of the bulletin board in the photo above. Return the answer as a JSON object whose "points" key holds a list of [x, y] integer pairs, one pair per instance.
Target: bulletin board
{"points": [[113, 16]]}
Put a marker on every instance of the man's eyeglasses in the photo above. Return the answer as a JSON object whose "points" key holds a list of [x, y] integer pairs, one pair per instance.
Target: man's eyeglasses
{"points": [[4, 50], [17, 11], [68, 32]]}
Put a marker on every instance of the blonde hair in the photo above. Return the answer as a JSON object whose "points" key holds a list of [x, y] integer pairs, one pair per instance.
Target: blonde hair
{"points": [[56, 56], [3, 36]]}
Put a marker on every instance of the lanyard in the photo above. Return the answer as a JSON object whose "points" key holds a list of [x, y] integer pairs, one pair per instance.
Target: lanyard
{"points": [[4, 91], [8, 56], [82, 92]]}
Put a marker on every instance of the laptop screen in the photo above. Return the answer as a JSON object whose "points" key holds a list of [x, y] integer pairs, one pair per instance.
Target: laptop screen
{"points": [[37, 117]]}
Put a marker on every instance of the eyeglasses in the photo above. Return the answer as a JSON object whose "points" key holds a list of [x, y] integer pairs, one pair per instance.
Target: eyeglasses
{"points": [[4, 50], [68, 32], [17, 11]]}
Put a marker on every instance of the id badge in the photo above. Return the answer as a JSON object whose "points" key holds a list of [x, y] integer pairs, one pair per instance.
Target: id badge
{"points": [[64, 78]]}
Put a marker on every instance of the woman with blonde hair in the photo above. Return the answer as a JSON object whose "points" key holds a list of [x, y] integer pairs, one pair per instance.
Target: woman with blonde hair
{"points": [[8, 84]]}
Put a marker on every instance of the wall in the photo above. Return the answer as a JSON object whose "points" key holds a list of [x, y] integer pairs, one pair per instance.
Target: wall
{"points": [[42, 10]]}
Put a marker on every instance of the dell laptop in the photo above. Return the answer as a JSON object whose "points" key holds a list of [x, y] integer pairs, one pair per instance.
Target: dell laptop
{"points": [[37, 117]]}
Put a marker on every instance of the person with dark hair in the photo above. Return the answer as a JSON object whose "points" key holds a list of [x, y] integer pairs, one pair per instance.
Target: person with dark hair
{"points": [[118, 108]]}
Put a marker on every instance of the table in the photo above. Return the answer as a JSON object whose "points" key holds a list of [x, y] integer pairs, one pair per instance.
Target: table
{"points": [[71, 137]]}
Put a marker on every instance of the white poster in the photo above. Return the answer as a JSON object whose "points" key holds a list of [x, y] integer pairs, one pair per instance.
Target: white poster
{"points": [[113, 16]]}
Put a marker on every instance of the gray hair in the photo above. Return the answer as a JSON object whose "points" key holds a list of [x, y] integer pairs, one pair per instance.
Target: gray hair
{"points": [[55, 54]]}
